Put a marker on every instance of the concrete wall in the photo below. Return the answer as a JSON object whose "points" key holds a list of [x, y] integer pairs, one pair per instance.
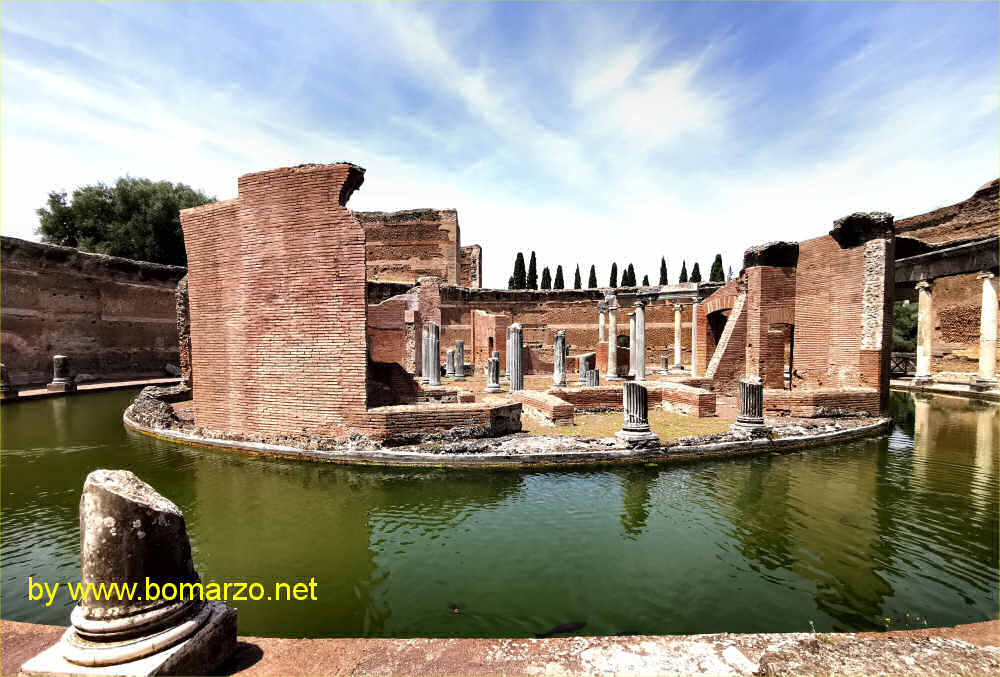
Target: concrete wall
{"points": [[113, 317]]}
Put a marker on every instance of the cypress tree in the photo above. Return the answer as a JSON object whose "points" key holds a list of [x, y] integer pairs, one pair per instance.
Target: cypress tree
{"points": [[717, 275], [695, 273], [663, 271], [645, 280], [631, 277], [519, 278], [546, 278], [613, 282], [559, 283], [592, 280], [532, 273], [510, 282], [684, 272], [577, 281]]}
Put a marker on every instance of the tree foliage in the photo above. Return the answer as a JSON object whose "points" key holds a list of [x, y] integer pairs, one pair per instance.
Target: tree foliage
{"points": [[717, 274], [592, 280], [613, 282], [904, 327], [629, 279], [135, 218], [695, 273], [559, 283], [577, 280], [510, 283], [520, 281], [663, 271], [645, 280], [546, 278], [684, 272], [532, 273]]}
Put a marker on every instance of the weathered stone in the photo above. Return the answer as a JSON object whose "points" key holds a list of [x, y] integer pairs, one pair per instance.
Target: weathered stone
{"points": [[559, 360], [593, 378], [860, 227], [62, 380], [434, 354], [515, 347], [751, 406], [130, 534], [695, 367], [7, 391], [640, 341], [612, 304], [988, 332], [493, 374], [635, 403], [425, 342], [925, 330], [587, 361], [460, 360], [631, 345], [777, 254], [449, 363], [172, 369], [677, 336]]}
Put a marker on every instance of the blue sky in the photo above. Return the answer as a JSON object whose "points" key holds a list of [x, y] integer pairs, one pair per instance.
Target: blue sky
{"points": [[590, 133]]}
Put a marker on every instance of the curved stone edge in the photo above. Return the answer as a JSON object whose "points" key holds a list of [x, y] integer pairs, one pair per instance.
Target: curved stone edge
{"points": [[381, 457]]}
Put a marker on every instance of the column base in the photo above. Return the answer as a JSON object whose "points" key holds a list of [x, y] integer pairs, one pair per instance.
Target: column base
{"points": [[753, 428], [493, 389], [638, 437], [982, 384], [61, 387]]}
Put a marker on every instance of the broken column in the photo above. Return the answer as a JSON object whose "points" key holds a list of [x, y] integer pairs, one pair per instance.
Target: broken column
{"points": [[587, 361], [434, 354], [635, 403], [559, 360], [640, 341], [988, 332], [677, 336], [612, 339], [631, 345], [515, 346], [7, 391], [425, 344], [62, 380], [493, 374], [593, 378], [751, 405], [694, 339], [460, 360], [449, 363], [925, 331], [131, 535]]}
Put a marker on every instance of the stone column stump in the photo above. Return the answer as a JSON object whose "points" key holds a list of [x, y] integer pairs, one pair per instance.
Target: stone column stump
{"points": [[635, 429], [434, 354], [751, 407], [62, 379], [559, 360], [449, 363], [493, 375], [459, 360], [593, 378]]}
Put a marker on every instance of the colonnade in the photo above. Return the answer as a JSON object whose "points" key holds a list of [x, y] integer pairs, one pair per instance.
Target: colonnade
{"points": [[607, 331]]}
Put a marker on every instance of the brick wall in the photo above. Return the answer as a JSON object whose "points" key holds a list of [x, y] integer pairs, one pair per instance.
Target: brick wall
{"points": [[955, 319], [115, 318], [471, 266], [277, 302], [405, 246], [808, 403], [406, 423], [770, 304]]}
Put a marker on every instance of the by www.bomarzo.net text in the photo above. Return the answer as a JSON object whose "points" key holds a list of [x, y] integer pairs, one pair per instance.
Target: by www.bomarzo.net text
{"points": [[228, 591]]}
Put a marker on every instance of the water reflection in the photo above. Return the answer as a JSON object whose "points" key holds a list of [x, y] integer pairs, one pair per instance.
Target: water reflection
{"points": [[842, 536]]}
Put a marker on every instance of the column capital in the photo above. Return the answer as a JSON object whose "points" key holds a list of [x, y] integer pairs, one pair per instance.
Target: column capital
{"points": [[923, 284], [985, 275], [639, 303]]}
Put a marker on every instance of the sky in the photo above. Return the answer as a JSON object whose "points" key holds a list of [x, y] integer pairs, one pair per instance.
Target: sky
{"points": [[588, 133]]}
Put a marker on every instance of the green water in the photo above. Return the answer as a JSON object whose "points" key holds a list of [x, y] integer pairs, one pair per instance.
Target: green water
{"points": [[843, 536]]}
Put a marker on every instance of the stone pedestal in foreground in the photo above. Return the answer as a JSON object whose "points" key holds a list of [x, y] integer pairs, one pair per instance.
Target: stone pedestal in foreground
{"points": [[128, 534], [493, 375], [635, 430], [751, 406], [62, 380]]}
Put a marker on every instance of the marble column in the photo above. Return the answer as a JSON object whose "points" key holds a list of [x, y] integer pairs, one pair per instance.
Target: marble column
{"points": [[640, 341], [425, 353], [925, 330], [62, 380], [493, 374], [612, 341], [505, 376], [559, 360], [635, 406], [459, 360], [602, 332], [751, 404], [988, 331], [449, 363], [694, 339], [631, 345], [515, 348], [677, 336], [593, 378], [434, 355]]}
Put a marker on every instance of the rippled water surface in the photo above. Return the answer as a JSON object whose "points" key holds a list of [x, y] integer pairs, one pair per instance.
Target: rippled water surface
{"points": [[843, 536]]}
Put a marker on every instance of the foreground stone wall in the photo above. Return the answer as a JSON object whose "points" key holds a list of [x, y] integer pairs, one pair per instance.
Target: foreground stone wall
{"points": [[276, 284], [113, 317]]}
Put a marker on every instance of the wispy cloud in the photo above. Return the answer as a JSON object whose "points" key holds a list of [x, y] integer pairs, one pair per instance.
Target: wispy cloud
{"points": [[589, 133]]}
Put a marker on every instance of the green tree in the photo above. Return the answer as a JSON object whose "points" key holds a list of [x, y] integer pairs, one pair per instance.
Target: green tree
{"points": [[510, 283], [592, 280], [546, 278], [717, 274], [904, 327], [631, 277], [532, 273], [559, 282], [663, 271], [613, 282], [695, 273], [520, 281], [645, 280], [684, 272], [135, 218], [577, 280]]}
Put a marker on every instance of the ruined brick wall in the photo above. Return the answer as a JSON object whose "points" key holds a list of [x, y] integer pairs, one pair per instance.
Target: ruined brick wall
{"points": [[276, 284], [405, 246], [184, 330], [471, 267], [113, 317], [770, 304], [971, 219], [956, 301], [727, 365]]}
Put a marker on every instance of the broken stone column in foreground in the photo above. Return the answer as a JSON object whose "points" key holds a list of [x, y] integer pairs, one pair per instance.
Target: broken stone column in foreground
{"points": [[515, 364], [751, 406], [460, 360], [493, 375], [425, 342], [434, 354], [635, 403], [449, 363], [62, 380], [559, 360], [130, 534]]}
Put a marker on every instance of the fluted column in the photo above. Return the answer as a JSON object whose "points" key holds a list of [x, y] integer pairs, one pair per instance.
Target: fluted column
{"points": [[449, 363], [612, 340], [631, 345], [459, 360], [988, 331], [751, 404], [593, 378], [635, 407], [694, 339], [640, 341], [493, 374], [559, 360], [434, 355], [925, 330], [425, 353], [515, 348], [677, 336]]}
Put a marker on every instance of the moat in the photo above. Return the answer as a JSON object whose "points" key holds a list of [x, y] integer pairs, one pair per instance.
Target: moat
{"points": [[837, 538]]}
